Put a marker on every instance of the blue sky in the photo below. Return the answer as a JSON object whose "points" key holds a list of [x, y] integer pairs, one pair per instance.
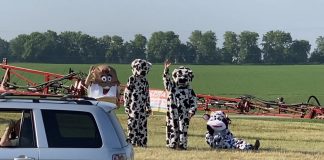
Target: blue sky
{"points": [[125, 18]]}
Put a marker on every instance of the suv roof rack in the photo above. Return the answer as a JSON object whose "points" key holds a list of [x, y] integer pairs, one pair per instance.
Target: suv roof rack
{"points": [[37, 98]]}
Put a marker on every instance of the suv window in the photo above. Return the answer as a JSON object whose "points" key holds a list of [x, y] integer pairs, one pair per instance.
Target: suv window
{"points": [[19, 126], [71, 129]]}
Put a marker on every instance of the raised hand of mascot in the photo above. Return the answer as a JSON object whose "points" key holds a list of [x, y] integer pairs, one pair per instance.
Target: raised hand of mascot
{"points": [[167, 63]]}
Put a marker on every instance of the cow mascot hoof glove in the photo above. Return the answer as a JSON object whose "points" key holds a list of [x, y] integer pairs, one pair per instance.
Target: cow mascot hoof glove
{"points": [[181, 105], [137, 103], [219, 136]]}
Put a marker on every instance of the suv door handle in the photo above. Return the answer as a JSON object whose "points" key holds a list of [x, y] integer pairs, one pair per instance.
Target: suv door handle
{"points": [[23, 157]]}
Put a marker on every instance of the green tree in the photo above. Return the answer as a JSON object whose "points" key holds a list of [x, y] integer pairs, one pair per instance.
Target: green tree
{"points": [[130, 52], [71, 47], [318, 53], [52, 48], [116, 52], [298, 51], [4, 48], [230, 48], [186, 54], [205, 47], [104, 44], [35, 47], [156, 47], [136, 48], [163, 45], [81, 48], [17, 47], [174, 45], [275, 46], [249, 50], [89, 49], [195, 43]]}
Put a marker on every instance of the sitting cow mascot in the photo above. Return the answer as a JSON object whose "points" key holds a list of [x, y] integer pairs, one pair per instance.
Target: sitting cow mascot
{"points": [[218, 135], [181, 105], [137, 102], [103, 84]]}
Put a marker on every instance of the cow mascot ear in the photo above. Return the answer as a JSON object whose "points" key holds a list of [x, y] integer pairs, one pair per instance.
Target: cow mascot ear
{"points": [[206, 117], [190, 74]]}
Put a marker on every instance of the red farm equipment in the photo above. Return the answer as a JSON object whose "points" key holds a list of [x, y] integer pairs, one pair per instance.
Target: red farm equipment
{"points": [[251, 105], [52, 84]]}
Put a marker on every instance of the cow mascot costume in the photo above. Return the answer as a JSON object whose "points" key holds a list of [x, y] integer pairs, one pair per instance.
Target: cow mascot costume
{"points": [[181, 105], [137, 102], [219, 136], [103, 84]]}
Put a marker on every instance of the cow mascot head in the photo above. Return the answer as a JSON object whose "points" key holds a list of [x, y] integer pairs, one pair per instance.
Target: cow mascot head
{"points": [[217, 121], [182, 76], [140, 67], [219, 136]]}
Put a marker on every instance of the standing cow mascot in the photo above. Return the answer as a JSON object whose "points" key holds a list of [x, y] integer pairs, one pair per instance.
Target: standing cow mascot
{"points": [[181, 105], [219, 136], [137, 102], [103, 84]]}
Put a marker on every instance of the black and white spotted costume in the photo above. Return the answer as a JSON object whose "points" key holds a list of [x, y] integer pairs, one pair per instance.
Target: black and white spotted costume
{"points": [[181, 103], [137, 102], [219, 136]]}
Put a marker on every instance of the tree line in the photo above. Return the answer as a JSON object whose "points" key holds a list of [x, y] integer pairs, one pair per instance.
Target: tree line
{"points": [[276, 47]]}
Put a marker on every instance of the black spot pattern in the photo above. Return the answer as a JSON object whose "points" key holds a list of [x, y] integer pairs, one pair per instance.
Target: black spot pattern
{"points": [[223, 139], [181, 102], [137, 103]]}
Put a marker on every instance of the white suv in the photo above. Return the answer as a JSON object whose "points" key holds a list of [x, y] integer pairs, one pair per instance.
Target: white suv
{"points": [[52, 128]]}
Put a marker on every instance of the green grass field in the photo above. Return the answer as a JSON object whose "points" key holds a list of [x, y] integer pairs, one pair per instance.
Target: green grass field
{"points": [[281, 138], [293, 82]]}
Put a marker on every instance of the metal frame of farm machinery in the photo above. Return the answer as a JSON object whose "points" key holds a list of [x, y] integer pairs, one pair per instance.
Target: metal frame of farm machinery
{"points": [[251, 105], [54, 85]]}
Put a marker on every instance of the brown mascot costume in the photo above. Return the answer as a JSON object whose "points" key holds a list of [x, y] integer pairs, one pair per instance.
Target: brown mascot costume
{"points": [[103, 84]]}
